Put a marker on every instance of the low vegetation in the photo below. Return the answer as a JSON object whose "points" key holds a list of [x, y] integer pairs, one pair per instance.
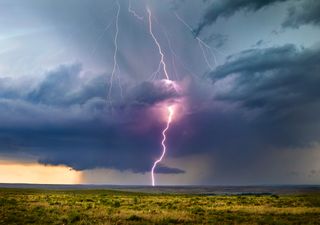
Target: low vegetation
{"points": [[26, 206]]}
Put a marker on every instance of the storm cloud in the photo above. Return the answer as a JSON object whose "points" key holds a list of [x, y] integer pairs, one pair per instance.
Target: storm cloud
{"points": [[279, 84], [65, 120], [253, 116], [304, 13], [228, 8]]}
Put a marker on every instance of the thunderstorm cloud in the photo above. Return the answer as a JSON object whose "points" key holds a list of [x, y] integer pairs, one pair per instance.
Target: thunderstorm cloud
{"points": [[251, 118]]}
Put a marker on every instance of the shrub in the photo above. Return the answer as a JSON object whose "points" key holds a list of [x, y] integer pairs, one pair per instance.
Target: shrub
{"points": [[74, 217], [135, 200], [116, 204], [134, 218], [197, 210]]}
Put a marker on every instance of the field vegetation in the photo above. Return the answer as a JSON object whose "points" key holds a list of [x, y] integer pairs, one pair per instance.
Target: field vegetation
{"points": [[27, 206]]}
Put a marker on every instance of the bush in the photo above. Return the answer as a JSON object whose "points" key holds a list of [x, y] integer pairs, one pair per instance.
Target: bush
{"points": [[116, 204], [134, 218], [74, 217], [135, 200], [197, 210]]}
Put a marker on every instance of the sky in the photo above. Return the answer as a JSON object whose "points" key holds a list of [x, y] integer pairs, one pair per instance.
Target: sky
{"points": [[84, 93]]}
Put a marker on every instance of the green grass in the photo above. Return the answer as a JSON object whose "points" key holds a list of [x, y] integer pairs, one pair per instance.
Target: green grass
{"points": [[26, 206]]}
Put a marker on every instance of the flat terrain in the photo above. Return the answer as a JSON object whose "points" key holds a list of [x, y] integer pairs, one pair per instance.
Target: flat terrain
{"points": [[81, 206]]}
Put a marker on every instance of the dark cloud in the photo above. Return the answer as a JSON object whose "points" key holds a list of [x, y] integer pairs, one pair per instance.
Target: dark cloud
{"points": [[65, 119], [151, 92], [57, 86], [258, 60], [271, 103], [218, 40], [64, 86], [305, 12], [168, 170], [227, 8], [80, 138], [253, 107], [281, 83], [273, 71]]}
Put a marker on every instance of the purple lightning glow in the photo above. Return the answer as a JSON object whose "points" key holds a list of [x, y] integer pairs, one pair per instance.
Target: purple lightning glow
{"points": [[163, 142]]}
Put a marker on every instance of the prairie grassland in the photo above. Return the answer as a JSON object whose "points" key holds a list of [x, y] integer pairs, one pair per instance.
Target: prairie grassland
{"points": [[27, 206]]}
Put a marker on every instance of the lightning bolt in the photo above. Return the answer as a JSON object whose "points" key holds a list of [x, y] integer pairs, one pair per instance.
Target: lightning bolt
{"points": [[104, 31], [205, 48], [115, 63], [173, 55], [170, 109], [134, 12], [162, 62], [163, 142]]}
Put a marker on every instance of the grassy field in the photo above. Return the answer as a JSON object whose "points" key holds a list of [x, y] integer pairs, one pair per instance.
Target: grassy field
{"points": [[27, 206]]}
